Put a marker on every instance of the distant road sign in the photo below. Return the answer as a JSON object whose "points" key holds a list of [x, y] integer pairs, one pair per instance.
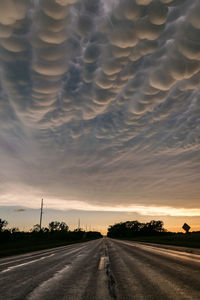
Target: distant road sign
{"points": [[186, 227]]}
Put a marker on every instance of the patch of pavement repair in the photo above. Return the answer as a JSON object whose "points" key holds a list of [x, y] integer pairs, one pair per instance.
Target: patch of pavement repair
{"points": [[111, 281]]}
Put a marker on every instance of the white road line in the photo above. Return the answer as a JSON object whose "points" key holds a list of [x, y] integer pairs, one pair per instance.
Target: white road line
{"points": [[44, 287], [28, 255], [101, 263], [39, 259], [104, 260], [26, 263], [24, 257]]}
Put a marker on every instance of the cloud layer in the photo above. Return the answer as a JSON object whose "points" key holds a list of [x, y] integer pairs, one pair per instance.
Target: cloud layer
{"points": [[99, 102]]}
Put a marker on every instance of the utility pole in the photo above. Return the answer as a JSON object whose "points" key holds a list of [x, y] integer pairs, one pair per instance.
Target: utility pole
{"points": [[79, 225], [41, 213]]}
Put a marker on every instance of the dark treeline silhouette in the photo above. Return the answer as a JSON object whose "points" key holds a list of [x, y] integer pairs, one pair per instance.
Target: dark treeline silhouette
{"points": [[153, 232], [55, 233], [135, 228]]}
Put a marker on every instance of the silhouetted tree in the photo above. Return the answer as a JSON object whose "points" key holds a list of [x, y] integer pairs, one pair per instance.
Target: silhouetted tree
{"points": [[14, 230], [153, 227], [45, 229], [63, 226], [55, 226], [36, 227], [135, 228], [3, 224]]}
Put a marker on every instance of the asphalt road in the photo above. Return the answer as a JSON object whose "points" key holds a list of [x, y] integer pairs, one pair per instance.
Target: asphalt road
{"points": [[101, 269]]}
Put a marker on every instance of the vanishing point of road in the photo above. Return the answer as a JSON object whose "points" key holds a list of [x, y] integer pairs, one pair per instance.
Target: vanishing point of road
{"points": [[100, 270]]}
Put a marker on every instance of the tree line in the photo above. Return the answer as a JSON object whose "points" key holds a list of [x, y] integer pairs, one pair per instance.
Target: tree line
{"points": [[55, 231], [135, 228]]}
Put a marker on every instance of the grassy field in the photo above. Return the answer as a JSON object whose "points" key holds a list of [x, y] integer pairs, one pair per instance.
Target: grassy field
{"points": [[9, 249], [17, 242], [21, 247], [185, 240]]}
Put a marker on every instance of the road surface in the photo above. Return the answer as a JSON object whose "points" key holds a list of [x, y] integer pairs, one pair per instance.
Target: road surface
{"points": [[100, 270]]}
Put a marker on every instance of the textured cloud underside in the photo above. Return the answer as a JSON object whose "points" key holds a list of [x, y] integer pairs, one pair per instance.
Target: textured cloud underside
{"points": [[99, 100]]}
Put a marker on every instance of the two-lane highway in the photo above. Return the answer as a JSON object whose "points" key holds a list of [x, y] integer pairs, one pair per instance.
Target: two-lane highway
{"points": [[101, 269]]}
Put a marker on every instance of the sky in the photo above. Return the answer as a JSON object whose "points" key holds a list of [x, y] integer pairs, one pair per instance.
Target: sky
{"points": [[100, 111]]}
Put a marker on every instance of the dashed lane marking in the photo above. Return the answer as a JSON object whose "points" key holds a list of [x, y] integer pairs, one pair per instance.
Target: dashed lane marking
{"points": [[103, 262]]}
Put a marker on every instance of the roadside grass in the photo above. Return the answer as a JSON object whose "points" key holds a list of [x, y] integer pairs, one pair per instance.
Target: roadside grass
{"points": [[22, 247], [177, 239]]}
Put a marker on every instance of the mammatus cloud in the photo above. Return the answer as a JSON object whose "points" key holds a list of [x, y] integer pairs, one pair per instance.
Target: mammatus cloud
{"points": [[99, 104]]}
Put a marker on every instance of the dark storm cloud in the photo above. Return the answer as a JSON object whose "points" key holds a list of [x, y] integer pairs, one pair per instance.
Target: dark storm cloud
{"points": [[100, 100], [20, 210]]}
